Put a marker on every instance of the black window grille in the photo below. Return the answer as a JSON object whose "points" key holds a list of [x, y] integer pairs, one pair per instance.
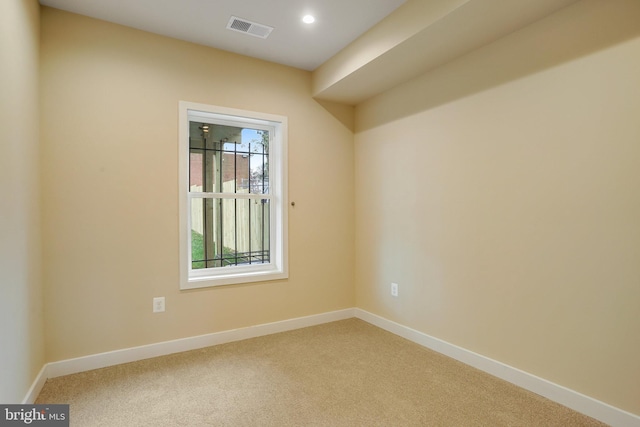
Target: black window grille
{"points": [[229, 230]]}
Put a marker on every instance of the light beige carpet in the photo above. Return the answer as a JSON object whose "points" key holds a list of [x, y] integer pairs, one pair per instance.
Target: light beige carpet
{"points": [[346, 373]]}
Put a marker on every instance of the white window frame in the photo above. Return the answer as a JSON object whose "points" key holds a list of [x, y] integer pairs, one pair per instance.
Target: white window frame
{"points": [[277, 268]]}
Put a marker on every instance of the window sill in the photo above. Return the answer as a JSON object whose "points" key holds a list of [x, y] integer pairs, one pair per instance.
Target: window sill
{"points": [[232, 278]]}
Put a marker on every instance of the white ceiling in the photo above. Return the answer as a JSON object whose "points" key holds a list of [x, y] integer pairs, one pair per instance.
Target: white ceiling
{"points": [[293, 43]]}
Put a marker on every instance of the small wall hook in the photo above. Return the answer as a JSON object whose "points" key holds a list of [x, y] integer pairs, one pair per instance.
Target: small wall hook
{"points": [[293, 204]]}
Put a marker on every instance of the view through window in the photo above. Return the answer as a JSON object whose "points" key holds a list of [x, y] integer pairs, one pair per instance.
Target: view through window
{"points": [[229, 171], [233, 216]]}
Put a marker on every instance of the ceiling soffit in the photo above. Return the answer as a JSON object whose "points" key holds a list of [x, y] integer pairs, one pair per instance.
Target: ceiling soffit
{"points": [[446, 30]]}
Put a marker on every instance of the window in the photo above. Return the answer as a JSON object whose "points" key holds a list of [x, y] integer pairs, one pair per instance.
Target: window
{"points": [[233, 216]]}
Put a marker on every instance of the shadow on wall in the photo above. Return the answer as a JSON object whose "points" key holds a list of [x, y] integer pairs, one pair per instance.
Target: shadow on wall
{"points": [[575, 31], [343, 113]]}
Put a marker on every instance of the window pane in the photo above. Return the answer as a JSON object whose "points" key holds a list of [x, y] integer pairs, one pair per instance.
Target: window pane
{"points": [[197, 234], [259, 173], [228, 159], [252, 218], [205, 245], [261, 217], [227, 221], [235, 172], [226, 232], [244, 240], [196, 177]]}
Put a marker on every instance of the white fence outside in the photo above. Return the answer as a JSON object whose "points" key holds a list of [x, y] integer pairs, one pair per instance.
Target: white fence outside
{"points": [[241, 218]]}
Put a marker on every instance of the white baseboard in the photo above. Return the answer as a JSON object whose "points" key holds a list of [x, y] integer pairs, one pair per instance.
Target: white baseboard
{"points": [[36, 387], [102, 360], [572, 399], [562, 395]]}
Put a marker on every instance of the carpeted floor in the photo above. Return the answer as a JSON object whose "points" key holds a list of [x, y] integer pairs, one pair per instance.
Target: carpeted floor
{"points": [[345, 373]]}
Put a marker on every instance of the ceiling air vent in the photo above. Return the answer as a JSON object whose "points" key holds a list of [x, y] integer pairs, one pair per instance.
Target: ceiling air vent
{"points": [[248, 27]]}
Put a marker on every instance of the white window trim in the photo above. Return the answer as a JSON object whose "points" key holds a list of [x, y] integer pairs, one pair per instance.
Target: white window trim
{"points": [[278, 267]]}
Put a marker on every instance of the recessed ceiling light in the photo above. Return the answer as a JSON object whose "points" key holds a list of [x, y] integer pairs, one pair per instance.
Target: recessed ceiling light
{"points": [[308, 19]]}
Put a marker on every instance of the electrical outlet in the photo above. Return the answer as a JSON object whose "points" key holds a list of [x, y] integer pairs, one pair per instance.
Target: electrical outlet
{"points": [[158, 304], [394, 289]]}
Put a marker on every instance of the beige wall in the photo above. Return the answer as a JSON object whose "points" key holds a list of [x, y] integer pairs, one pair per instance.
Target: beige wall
{"points": [[501, 191], [21, 342], [505, 201], [110, 144]]}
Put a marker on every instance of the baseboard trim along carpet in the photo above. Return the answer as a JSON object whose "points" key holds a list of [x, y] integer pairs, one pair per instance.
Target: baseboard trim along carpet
{"points": [[133, 354], [37, 385], [557, 393], [572, 399]]}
